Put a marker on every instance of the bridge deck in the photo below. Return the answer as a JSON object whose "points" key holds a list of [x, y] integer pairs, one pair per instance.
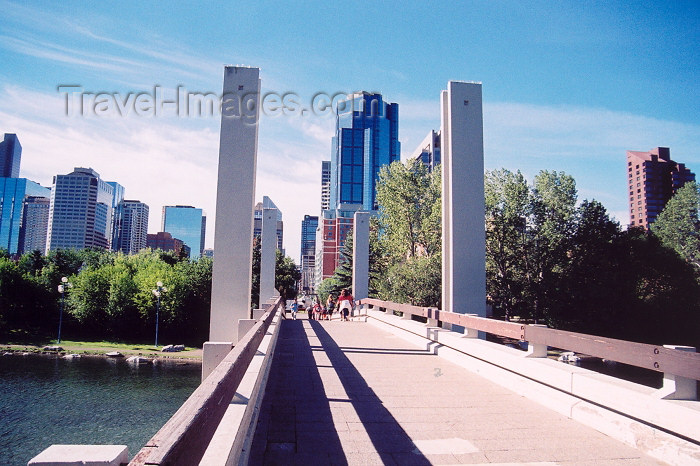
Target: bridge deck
{"points": [[350, 393]]}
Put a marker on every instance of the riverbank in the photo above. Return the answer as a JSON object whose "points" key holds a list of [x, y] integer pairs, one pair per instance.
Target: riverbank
{"points": [[101, 348]]}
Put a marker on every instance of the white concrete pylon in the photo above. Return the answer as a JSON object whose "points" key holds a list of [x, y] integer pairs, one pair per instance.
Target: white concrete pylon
{"points": [[360, 256], [268, 256], [463, 234], [235, 199]]}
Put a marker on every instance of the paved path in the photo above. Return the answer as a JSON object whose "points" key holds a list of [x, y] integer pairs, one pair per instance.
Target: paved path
{"points": [[350, 393]]}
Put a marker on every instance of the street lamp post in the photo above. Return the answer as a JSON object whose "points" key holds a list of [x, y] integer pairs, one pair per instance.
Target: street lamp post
{"points": [[160, 289], [65, 284]]}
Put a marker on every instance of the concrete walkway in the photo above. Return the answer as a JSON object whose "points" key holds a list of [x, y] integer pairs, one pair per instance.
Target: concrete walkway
{"points": [[350, 393]]}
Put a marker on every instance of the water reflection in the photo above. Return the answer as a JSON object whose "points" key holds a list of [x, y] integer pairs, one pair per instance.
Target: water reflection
{"points": [[87, 400]]}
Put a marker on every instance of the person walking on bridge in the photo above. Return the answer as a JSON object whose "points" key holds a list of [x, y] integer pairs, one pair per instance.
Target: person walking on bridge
{"points": [[345, 303]]}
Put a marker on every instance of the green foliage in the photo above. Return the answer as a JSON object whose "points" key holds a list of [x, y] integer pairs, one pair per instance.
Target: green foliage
{"points": [[405, 241], [678, 225], [111, 295], [417, 281], [409, 209], [286, 276]]}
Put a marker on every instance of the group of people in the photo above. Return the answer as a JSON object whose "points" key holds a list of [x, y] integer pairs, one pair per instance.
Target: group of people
{"points": [[316, 311]]}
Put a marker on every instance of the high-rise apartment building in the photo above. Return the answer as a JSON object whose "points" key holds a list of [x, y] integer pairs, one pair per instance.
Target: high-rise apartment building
{"points": [[366, 139], [257, 220], [14, 192], [35, 224], [188, 224], [308, 252], [325, 185], [652, 179], [80, 214], [10, 156], [132, 232]]}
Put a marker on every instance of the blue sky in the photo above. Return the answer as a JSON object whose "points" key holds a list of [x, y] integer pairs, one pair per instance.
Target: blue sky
{"points": [[567, 86]]}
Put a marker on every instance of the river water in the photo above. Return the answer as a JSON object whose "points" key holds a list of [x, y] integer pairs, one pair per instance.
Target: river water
{"points": [[90, 400]]}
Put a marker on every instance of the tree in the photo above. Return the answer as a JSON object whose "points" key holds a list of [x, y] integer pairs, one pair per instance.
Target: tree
{"points": [[551, 224], [407, 237], [409, 199], [678, 225], [507, 201], [287, 275]]}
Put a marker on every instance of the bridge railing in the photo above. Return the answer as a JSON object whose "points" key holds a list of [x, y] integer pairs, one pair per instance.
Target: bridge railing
{"points": [[185, 437], [671, 361]]}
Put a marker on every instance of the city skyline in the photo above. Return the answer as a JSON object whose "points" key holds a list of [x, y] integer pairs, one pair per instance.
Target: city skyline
{"points": [[567, 87]]}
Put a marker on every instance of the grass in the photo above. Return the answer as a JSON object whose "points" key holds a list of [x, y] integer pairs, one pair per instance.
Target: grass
{"points": [[102, 347]]}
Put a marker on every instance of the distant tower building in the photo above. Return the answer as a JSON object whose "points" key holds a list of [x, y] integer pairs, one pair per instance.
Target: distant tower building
{"points": [[117, 213], [14, 192], [308, 252], [80, 215], [366, 139], [257, 220], [35, 223], [165, 242], [188, 224], [132, 235], [652, 179], [10, 156], [325, 185], [428, 151]]}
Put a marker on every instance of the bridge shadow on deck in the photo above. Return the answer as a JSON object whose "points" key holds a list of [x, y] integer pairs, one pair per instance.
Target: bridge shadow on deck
{"points": [[307, 419]]}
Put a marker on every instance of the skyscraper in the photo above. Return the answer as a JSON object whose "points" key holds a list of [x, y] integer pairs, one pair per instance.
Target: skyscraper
{"points": [[13, 194], [80, 215], [188, 224], [10, 156], [325, 185], [35, 224], [132, 234], [308, 252], [366, 139], [652, 179], [117, 213]]}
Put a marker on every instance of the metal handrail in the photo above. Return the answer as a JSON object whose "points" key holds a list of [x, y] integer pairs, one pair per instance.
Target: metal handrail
{"points": [[185, 437], [657, 358]]}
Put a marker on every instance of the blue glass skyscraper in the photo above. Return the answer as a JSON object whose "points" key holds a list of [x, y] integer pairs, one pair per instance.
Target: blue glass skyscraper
{"points": [[187, 224], [13, 193], [366, 138]]}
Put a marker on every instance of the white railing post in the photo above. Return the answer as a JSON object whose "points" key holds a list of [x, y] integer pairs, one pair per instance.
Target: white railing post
{"points": [[431, 322], [675, 387], [536, 350], [471, 332]]}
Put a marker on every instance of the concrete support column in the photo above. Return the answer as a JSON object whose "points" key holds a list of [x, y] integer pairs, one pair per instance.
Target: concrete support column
{"points": [[268, 256], [536, 350], [212, 354], [244, 325], [360, 256], [235, 199], [463, 234], [678, 388]]}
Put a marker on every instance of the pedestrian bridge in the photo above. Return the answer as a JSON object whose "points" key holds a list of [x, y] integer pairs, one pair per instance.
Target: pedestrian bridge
{"points": [[386, 388]]}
